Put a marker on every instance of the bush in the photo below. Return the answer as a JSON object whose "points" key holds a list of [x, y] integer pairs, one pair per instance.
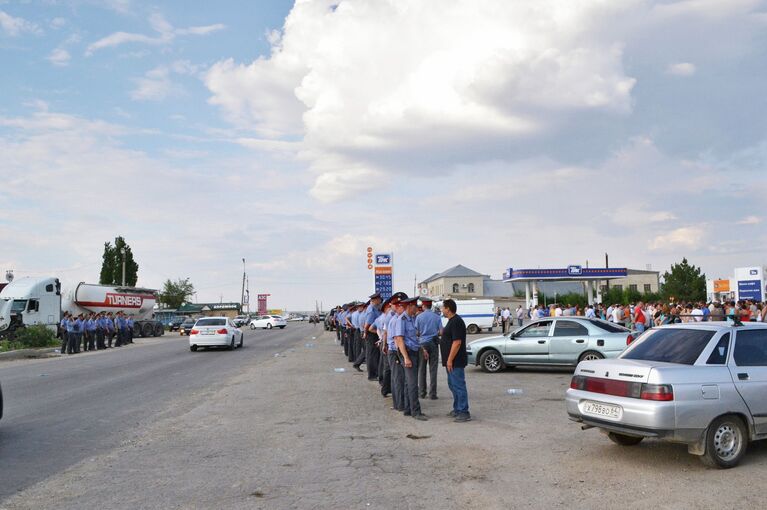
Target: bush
{"points": [[35, 336]]}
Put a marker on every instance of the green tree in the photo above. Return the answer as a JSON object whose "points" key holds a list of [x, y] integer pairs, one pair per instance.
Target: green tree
{"points": [[112, 263], [684, 282], [175, 294]]}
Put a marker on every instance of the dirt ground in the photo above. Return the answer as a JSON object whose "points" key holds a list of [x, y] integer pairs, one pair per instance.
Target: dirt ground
{"points": [[290, 432]]}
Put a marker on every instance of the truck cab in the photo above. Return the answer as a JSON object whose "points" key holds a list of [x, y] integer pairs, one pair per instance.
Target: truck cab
{"points": [[30, 301]]}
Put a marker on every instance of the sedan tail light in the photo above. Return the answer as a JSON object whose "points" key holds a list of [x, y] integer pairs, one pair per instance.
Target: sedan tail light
{"points": [[629, 339], [662, 392], [194, 332], [222, 331], [644, 391]]}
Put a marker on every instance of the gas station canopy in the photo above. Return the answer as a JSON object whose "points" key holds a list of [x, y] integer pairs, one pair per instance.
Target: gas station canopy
{"points": [[588, 275]]}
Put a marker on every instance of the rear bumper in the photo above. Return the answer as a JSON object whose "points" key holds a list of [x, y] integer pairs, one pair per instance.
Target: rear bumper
{"points": [[639, 417], [209, 340]]}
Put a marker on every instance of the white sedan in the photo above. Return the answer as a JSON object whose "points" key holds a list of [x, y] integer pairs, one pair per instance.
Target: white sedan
{"points": [[268, 322], [215, 332]]}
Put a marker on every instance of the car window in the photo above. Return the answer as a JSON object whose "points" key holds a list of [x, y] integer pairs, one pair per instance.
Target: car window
{"points": [[535, 330], [671, 345], [751, 348], [569, 328], [719, 354], [608, 326], [211, 322]]}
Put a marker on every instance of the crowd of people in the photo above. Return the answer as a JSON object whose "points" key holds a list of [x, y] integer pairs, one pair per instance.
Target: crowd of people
{"points": [[641, 316], [89, 332], [400, 340]]}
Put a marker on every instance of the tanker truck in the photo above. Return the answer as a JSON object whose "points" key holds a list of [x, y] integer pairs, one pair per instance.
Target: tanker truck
{"points": [[30, 301]]}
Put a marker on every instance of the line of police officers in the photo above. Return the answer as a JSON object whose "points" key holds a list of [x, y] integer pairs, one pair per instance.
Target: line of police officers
{"points": [[398, 341], [94, 331]]}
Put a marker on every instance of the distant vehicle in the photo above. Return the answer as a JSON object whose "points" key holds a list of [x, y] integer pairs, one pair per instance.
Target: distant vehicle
{"points": [[564, 341], [175, 323], [241, 320], [268, 322], [478, 314], [186, 326], [297, 318], [700, 384], [215, 332]]}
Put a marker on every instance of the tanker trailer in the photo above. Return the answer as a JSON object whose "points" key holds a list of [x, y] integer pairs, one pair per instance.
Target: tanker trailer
{"points": [[135, 302]]}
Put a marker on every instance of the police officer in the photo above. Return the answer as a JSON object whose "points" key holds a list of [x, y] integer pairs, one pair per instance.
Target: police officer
{"points": [[341, 324], [129, 325], [100, 331], [368, 351], [90, 328], [397, 374], [77, 333], [406, 338], [64, 331], [110, 329], [335, 322], [384, 371], [429, 327], [121, 326]]}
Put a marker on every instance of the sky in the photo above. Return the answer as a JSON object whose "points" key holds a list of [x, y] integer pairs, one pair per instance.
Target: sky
{"points": [[487, 133]]}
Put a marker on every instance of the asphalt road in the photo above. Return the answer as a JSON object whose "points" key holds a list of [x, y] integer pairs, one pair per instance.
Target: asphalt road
{"points": [[61, 411]]}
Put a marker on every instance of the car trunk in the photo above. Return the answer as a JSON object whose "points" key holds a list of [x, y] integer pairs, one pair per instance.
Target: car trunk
{"points": [[617, 369]]}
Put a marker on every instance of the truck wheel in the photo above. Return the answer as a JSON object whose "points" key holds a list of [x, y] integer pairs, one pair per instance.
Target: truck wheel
{"points": [[623, 439], [159, 330], [491, 361], [473, 329], [147, 330], [726, 441]]}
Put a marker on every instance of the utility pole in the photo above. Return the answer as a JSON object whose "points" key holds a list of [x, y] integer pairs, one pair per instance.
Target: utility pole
{"points": [[122, 250], [415, 279], [242, 295], [607, 264]]}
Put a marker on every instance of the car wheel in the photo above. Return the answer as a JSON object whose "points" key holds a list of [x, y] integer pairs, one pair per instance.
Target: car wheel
{"points": [[252, 326], [242, 338], [282, 327], [491, 361], [269, 326], [473, 329], [726, 441], [623, 439], [193, 348], [231, 345], [590, 356]]}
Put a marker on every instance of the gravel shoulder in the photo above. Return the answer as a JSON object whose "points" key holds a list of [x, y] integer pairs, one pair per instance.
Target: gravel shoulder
{"points": [[289, 432]]}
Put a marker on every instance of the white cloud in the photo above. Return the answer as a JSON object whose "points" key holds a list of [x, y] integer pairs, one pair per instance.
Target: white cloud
{"points": [[750, 220], [684, 237], [370, 77], [13, 26], [166, 33], [681, 69], [157, 84], [57, 23], [59, 57]]}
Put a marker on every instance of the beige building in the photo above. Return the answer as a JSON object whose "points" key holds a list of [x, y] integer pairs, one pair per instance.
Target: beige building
{"points": [[460, 282], [644, 282]]}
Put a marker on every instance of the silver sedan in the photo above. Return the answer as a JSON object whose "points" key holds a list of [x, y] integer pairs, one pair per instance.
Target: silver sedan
{"points": [[560, 341], [701, 384]]}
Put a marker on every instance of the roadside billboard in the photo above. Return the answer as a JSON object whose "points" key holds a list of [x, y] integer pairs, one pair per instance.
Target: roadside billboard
{"points": [[751, 285]]}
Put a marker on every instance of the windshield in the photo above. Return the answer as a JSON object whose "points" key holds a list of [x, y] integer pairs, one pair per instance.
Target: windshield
{"points": [[211, 322], [675, 345], [19, 305]]}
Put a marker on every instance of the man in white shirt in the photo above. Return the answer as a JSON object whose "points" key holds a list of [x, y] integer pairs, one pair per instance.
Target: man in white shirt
{"points": [[697, 313], [590, 312], [617, 315], [505, 315], [558, 311]]}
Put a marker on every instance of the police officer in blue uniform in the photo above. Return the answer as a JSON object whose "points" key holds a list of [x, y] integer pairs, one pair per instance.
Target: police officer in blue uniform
{"points": [[351, 323], [406, 338], [369, 353], [64, 330], [429, 327], [384, 370], [397, 374]]}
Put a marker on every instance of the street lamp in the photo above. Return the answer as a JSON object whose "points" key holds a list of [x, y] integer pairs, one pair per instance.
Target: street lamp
{"points": [[122, 250]]}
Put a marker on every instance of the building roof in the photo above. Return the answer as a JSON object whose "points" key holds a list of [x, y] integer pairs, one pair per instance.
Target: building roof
{"points": [[458, 271]]}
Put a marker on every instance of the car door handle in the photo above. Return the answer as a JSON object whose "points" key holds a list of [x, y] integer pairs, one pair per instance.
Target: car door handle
{"points": [[743, 376], [580, 341], [541, 341]]}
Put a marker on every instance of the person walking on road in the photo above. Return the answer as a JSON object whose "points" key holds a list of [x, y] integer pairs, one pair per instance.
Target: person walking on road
{"points": [[428, 326], [453, 349]]}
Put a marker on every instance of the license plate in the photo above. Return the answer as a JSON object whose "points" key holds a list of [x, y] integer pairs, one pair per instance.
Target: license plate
{"points": [[602, 410], [208, 332]]}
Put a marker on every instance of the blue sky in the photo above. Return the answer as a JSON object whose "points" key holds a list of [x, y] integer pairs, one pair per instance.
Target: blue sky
{"points": [[487, 133]]}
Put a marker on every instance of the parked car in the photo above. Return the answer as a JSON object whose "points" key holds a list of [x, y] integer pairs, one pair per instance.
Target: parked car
{"points": [[241, 320], [215, 332], [186, 326], [700, 384], [175, 323], [268, 322], [563, 341]]}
